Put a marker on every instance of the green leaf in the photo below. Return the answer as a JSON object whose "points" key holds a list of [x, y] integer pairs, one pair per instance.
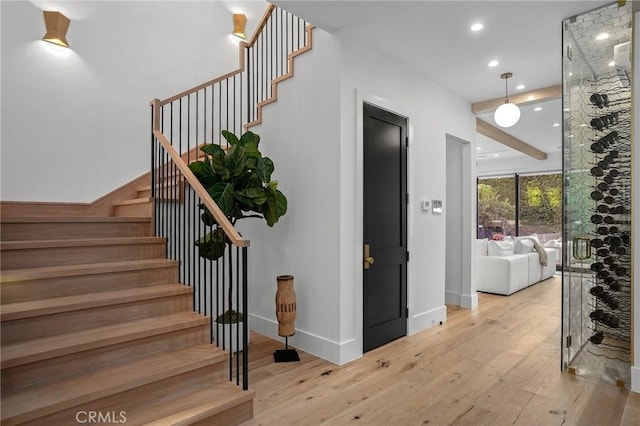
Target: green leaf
{"points": [[219, 164], [230, 137], [275, 206], [236, 160], [256, 195], [204, 172], [222, 194], [249, 137], [282, 203], [252, 151], [212, 149], [265, 168], [212, 245]]}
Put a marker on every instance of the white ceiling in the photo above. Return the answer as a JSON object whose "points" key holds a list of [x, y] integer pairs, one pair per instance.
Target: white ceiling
{"points": [[435, 37]]}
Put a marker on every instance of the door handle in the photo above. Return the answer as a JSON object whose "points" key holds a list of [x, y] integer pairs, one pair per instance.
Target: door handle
{"points": [[581, 248], [368, 259]]}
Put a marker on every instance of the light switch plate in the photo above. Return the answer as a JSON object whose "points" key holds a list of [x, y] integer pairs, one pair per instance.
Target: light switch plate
{"points": [[436, 206], [426, 205]]}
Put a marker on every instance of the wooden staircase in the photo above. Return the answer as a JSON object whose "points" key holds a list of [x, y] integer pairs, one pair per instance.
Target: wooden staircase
{"points": [[95, 324]]}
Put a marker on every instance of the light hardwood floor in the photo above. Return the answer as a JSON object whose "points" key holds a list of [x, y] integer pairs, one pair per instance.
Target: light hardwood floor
{"points": [[498, 365]]}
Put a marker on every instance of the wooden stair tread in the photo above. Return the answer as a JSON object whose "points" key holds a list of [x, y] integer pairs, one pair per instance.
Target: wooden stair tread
{"points": [[193, 407], [143, 200], [78, 242], [68, 393], [83, 269], [64, 344], [78, 219], [20, 310]]}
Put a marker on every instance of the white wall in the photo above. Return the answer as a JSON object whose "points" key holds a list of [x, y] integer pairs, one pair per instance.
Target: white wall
{"points": [[367, 75], [76, 122], [300, 133], [461, 222], [453, 271], [314, 135]]}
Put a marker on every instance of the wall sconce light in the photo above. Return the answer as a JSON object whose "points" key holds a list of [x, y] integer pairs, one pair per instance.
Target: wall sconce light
{"points": [[57, 25], [239, 24], [507, 114]]}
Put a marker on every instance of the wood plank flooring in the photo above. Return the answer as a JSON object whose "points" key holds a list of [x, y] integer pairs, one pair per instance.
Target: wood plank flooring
{"points": [[498, 365]]}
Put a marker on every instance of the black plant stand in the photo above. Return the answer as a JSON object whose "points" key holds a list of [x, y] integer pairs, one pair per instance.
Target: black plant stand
{"points": [[286, 354]]}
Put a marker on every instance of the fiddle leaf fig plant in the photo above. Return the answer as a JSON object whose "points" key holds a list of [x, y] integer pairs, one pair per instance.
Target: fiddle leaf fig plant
{"points": [[239, 181]]}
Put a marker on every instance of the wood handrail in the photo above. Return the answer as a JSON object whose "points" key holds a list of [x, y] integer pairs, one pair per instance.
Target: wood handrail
{"points": [[241, 67], [222, 220]]}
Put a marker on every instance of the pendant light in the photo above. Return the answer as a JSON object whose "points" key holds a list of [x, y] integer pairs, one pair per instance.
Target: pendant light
{"points": [[507, 114]]}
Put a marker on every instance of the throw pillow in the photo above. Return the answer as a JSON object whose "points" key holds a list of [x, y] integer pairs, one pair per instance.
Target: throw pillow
{"points": [[500, 248], [523, 246]]}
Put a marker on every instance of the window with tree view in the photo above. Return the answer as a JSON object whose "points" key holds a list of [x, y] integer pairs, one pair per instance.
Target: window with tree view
{"points": [[496, 206], [536, 210]]}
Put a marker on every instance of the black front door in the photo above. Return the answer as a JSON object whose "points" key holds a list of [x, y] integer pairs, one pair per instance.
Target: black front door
{"points": [[385, 227]]}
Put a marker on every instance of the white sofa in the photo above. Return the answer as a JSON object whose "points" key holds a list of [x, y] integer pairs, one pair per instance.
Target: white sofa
{"points": [[504, 267]]}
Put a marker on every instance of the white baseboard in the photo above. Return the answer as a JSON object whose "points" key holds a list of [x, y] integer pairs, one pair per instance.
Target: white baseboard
{"points": [[451, 298], [427, 319], [469, 301], [635, 379], [337, 353]]}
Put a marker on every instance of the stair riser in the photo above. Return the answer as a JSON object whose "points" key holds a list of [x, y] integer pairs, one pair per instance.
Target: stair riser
{"points": [[66, 322], [148, 394], [173, 191], [231, 417], [47, 371], [66, 230], [134, 210], [21, 291], [57, 256]]}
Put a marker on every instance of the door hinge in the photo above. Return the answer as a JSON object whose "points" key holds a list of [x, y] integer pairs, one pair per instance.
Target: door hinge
{"points": [[406, 141], [568, 342], [406, 312], [407, 256]]}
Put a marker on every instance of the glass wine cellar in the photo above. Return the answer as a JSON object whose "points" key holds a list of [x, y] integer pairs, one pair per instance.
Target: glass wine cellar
{"points": [[597, 117]]}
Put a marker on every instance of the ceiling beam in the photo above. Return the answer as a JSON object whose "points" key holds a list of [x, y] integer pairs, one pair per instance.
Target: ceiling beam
{"points": [[504, 138], [532, 96]]}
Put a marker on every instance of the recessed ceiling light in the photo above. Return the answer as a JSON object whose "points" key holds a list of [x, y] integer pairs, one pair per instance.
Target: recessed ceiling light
{"points": [[477, 26], [537, 109], [612, 64], [478, 148], [556, 124], [494, 63], [520, 86], [602, 36], [496, 155], [567, 109], [583, 125], [570, 74]]}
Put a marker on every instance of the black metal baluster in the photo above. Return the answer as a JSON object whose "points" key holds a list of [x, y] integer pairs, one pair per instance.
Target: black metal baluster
{"points": [[245, 330]]}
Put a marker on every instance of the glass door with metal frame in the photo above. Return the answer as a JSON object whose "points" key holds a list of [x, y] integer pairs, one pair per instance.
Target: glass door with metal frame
{"points": [[596, 198]]}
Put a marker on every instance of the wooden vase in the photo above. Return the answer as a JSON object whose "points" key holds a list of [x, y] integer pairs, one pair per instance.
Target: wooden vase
{"points": [[286, 306]]}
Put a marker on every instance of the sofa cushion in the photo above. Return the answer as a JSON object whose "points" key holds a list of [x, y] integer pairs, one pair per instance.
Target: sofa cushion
{"points": [[524, 237], [523, 246], [481, 247], [500, 248]]}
